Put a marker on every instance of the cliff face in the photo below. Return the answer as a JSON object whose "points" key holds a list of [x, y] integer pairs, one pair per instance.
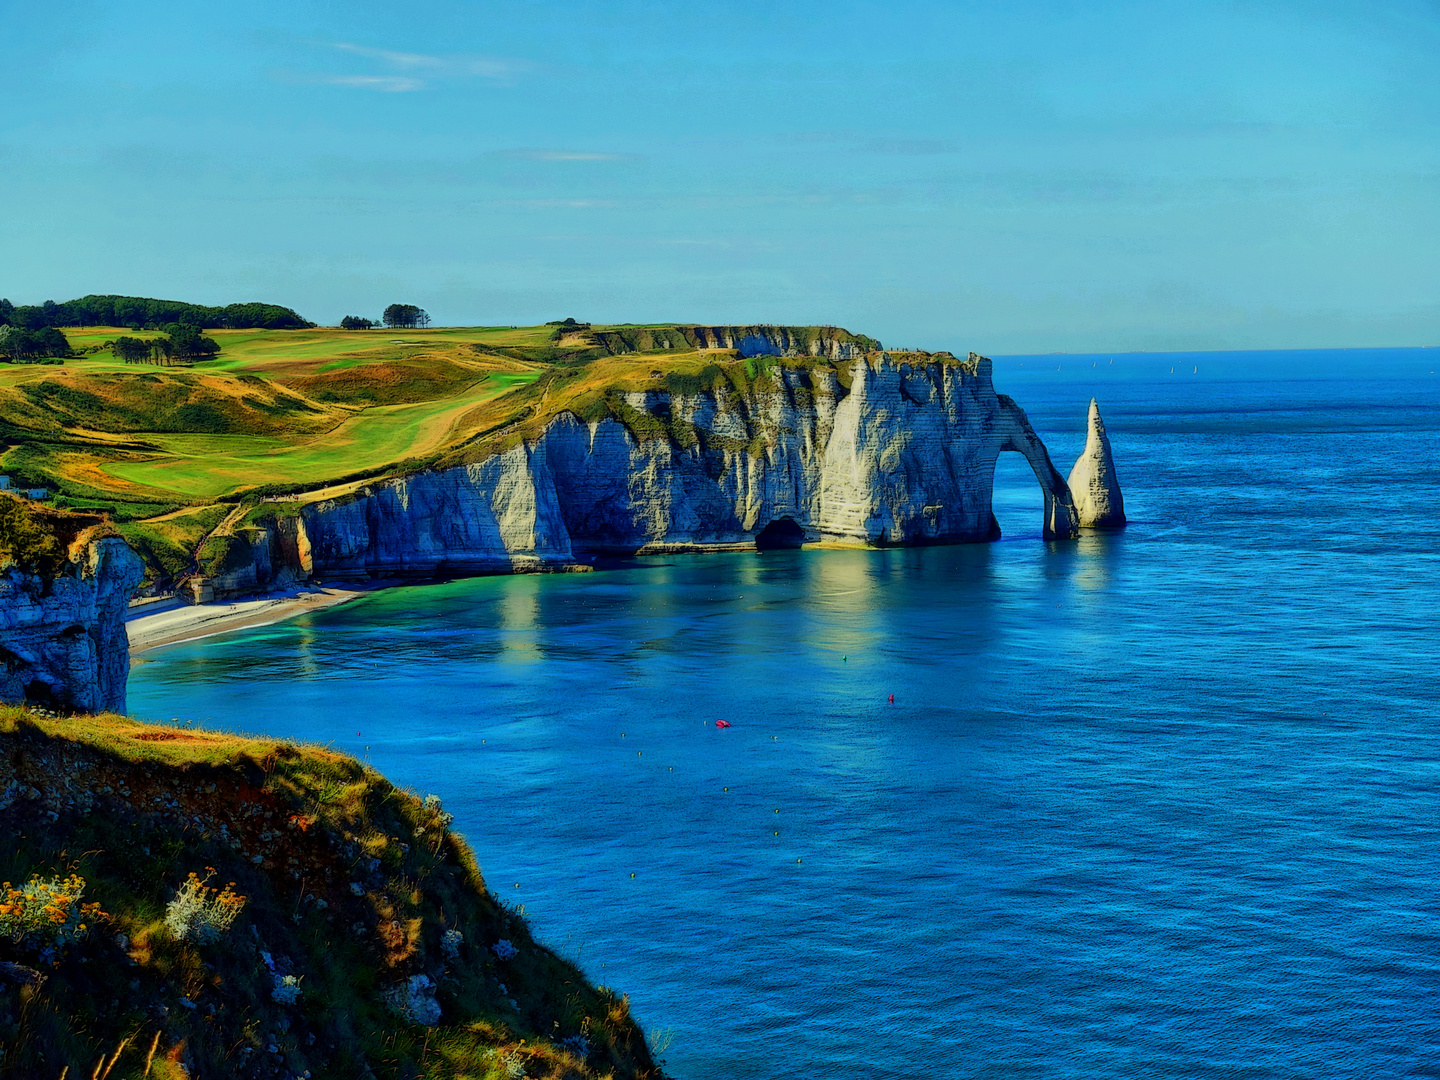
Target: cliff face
{"points": [[905, 454], [62, 639]]}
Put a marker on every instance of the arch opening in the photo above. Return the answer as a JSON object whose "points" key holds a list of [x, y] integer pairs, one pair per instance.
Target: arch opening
{"points": [[780, 534], [1017, 501]]}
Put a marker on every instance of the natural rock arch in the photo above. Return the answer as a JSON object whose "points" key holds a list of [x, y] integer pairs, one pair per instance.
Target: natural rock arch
{"points": [[1062, 521]]}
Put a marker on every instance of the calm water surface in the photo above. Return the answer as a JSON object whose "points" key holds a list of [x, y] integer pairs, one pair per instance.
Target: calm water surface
{"points": [[1161, 804]]}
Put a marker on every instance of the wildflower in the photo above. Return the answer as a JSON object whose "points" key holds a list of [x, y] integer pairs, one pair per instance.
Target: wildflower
{"points": [[286, 990], [441, 819], [202, 913], [503, 950], [47, 908]]}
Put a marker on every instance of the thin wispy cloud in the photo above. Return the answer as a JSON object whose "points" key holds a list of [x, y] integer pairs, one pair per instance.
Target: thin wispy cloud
{"points": [[389, 84], [565, 155], [418, 71], [394, 59]]}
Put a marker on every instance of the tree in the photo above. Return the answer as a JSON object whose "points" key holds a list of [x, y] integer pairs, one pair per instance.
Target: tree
{"points": [[355, 322], [19, 345], [7, 313], [405, 316], [147, 313], [131, 350], [187, 341]]}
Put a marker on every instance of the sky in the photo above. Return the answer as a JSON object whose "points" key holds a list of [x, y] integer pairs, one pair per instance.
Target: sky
{"points": [[1012, 177]]}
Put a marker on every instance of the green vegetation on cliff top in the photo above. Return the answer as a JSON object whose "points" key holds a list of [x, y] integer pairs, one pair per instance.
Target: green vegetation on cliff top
{"points": [[361, 913], [304, 410]]}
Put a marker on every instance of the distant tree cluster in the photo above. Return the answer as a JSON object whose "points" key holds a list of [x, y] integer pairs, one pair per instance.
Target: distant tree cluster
{"points": [[27, 346], [181, 342], [356, 322], [565, 326], [405, 316], [141, 313]]}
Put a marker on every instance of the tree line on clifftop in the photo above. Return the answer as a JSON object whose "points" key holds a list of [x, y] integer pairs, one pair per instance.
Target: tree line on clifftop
{"points": [[144, 313]]}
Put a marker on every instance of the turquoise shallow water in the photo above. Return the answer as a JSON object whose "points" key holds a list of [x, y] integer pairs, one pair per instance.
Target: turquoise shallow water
{"points": [[1151, 805]]}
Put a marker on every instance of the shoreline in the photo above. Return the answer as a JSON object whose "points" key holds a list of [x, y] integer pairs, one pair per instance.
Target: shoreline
{"points": [[192, 622], [178, 622]]}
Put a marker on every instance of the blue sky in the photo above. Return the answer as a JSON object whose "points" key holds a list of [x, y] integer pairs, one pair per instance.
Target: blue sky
{"points": [[1008, 177]]}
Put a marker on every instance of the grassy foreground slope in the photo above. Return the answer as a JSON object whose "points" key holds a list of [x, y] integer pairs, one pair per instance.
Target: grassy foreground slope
{"points": [[293, 412], [358, 913]]}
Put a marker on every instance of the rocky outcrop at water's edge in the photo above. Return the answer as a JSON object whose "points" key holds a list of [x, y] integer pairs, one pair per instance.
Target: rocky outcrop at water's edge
{"points": [[62, 638], [1094, 487]]}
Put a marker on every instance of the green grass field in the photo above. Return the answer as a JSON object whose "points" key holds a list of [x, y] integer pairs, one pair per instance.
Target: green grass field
{"points": [[209, 466]]}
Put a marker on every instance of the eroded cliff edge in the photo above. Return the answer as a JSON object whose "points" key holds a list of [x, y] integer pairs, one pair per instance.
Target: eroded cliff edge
{"points": [[65, 585], [360, 938], [887, 449]]}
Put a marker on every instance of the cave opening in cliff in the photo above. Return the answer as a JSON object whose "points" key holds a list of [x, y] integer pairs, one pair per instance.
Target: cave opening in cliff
{"points": [[1017, 501], [41, 694], [780, 533]]}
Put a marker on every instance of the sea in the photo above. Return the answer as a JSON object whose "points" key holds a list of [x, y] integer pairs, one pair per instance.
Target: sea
{"points": [[1162, 803]]}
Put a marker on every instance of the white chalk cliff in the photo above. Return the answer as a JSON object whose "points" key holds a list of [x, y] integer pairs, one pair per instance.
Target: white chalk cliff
{"points": [[904, 454], [1094, 487], [62, 640]]}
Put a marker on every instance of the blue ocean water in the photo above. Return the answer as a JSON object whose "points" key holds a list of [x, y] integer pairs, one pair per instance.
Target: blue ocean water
{"points": [[1158, 804]]}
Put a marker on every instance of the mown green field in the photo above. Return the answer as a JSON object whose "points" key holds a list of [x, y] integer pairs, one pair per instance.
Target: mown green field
{"points": [[209, 466]]}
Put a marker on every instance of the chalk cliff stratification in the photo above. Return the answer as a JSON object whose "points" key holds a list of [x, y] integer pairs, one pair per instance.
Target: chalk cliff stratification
{"points": [[1094, 487], [747, 341], [62, 638], [886, 450]]}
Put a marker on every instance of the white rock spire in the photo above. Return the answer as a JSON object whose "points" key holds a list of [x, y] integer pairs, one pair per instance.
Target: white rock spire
{"points": [[1094, 487]]}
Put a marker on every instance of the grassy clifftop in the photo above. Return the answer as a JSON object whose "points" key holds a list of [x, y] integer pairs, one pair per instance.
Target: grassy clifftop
{"points": [[296, 411], [363, 940]]}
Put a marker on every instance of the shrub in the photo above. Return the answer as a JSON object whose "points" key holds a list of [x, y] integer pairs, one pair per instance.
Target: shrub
{"points": [[414, 1000], [27, 540], [48, 908], [287, 989], [201, 913]]}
